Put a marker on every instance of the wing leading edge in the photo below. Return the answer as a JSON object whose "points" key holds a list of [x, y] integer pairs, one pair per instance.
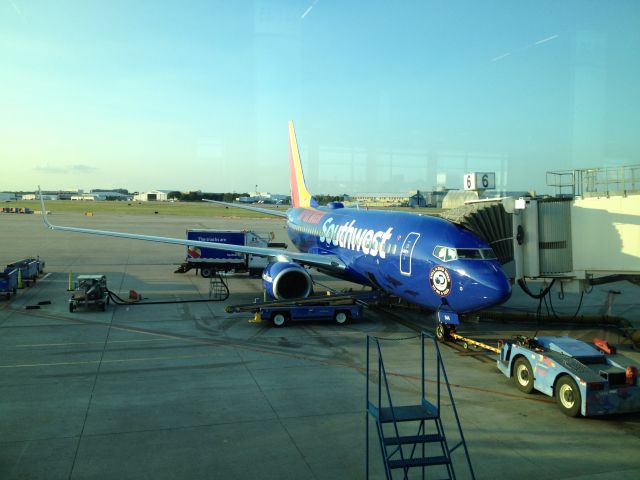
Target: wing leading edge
{"points": [[330, 262]]}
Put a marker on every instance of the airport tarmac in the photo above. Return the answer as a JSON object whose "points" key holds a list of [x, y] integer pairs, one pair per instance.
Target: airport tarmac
{"points": [[186, 390]]}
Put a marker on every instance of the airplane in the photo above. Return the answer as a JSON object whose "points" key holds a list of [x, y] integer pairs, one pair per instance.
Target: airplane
{"points": [[424, 260]]}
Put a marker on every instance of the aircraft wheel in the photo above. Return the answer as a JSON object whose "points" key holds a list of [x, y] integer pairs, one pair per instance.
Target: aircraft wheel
{"points": [[341, 317], [206, 272], [442, 332], [568, 396], [523, 375], [279, 319]]}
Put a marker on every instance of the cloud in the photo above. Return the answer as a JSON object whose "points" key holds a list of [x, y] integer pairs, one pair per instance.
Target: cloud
{"points": [[66, 169], [83, 168]]}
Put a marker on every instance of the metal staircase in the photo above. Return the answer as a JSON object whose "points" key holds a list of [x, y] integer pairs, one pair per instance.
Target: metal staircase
{"points": [[218, 289], [411, 436]]}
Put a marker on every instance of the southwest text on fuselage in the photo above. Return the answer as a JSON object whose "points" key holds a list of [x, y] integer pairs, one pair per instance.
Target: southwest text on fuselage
{"points": [[348, 236]]}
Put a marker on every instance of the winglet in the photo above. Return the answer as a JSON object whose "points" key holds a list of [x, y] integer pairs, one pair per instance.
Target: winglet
{"points": [[44, 210], [300, 196]]}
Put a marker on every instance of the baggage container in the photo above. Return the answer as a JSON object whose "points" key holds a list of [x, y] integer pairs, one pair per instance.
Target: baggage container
{"points": [[9, 282], [29, 268]]}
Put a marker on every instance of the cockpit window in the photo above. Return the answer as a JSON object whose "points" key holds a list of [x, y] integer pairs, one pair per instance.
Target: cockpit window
{"points": [[469, 253], [445, 254], [448, 254], [489, 254]]}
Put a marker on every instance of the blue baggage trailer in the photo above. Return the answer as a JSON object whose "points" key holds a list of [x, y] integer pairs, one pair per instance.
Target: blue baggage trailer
{"points": [[41, 264], [584, 378], [9, 282], [339, 307], [280, 315], [29, 268]]}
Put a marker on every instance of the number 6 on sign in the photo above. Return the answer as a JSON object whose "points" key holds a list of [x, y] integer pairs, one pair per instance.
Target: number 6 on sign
{"points": [[479, 180]]}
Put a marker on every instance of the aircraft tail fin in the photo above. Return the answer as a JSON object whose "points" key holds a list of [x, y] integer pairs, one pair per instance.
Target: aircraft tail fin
{"points": [[300, 196]]}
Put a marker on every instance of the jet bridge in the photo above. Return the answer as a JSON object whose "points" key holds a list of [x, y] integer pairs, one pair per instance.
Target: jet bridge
{"points": [[587, 234]]}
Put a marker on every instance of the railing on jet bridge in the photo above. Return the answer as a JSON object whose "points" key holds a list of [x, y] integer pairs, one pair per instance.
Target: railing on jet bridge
{"points": [[598, 181]]}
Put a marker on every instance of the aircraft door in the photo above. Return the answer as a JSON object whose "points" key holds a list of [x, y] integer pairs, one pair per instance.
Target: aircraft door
{"points": [[406, 251]]}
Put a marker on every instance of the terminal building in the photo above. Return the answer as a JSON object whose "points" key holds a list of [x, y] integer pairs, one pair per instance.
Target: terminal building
{"points": [[413, 198]]}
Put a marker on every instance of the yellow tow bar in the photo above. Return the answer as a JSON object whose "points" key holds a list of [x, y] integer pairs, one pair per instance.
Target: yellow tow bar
{"points": [[468, 341]]}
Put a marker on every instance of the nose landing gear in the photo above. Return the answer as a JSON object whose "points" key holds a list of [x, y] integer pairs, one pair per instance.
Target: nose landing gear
{"points": [[447, 321], [443, 331]]}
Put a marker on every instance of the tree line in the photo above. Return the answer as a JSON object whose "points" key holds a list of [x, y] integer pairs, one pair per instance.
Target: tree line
{"points": [[231, 196], [197, 196]]}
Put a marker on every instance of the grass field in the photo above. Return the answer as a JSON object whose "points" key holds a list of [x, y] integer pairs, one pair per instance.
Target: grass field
{"points": [[193, 209]]}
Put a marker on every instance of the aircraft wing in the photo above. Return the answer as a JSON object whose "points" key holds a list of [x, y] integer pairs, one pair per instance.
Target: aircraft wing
{"points": [[267, 211], [330, 262]]}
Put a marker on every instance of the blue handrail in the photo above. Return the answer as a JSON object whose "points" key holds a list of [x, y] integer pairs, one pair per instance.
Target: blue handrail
{"points": [[440, 364]]}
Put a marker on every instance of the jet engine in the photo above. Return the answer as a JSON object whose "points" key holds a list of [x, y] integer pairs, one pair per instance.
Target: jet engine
{"points": [[286, 281]]}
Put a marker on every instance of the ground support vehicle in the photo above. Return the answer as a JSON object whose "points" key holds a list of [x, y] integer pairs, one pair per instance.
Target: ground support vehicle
{"points": [[337, 307], [8, 282], [211, 260], [279, 315], [90, 290], [584, 378], [29, 268]]}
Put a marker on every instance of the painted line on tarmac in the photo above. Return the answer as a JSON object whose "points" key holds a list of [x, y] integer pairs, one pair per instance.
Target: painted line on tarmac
{"points": [[92, 343], [124, 360]]}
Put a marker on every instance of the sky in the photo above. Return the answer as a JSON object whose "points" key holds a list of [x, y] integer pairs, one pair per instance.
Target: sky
{"points": [[385, 96]]}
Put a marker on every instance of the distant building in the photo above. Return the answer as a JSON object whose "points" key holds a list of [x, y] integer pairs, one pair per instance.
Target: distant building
{"points": [[87, 197], [381, 199], [457, 198], [417, 200], [263, 197], [7, 196], [153, 196], [109, 195], [35, 196]]}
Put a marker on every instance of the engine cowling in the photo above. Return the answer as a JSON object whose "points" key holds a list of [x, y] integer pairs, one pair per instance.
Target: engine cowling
{"points": [[286, 281]]}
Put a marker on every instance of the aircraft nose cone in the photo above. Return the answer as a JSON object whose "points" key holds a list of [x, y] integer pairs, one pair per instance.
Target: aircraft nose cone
{"points": [[488, 286], [498, 288]]}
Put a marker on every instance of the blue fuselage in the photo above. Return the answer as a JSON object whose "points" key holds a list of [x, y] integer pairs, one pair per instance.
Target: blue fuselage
{"points": [[423, 259]]}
